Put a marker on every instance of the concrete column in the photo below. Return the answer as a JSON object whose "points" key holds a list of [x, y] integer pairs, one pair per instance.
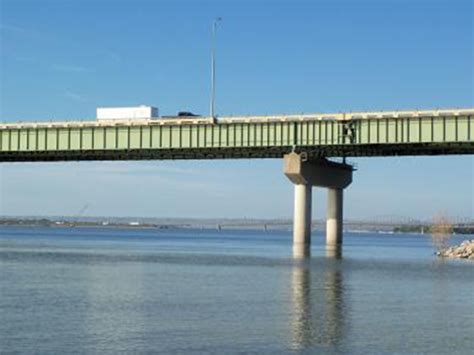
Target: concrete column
{"points": [[334, 217], [302, 216]]}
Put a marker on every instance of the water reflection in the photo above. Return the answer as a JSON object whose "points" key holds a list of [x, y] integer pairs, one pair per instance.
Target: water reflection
{"points": [[301, 251], [317, 300], [301, 311], [334, 252], [116, 291]]}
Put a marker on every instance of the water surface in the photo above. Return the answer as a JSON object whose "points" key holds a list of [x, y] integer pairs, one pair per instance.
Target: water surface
{"points": [[92, 290]]}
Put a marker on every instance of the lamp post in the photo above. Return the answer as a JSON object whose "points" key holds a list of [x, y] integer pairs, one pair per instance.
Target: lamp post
{"points": [[213, 67]]}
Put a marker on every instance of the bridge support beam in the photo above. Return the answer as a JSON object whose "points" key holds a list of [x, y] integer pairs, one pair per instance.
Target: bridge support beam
{"points": [[305, 174]]}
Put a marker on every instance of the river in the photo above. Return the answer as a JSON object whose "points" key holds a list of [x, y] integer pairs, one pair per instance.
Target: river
{"points": [[92, 290]]}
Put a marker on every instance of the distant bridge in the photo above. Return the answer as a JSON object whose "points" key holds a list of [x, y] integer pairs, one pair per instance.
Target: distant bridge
{"points": [[349, 224]]}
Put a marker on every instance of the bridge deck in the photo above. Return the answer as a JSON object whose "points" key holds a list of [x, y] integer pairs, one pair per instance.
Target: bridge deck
{"points": [[343, 134]]}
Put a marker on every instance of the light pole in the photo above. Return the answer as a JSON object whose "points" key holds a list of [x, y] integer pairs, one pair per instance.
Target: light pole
{"points": [[213, 67]]}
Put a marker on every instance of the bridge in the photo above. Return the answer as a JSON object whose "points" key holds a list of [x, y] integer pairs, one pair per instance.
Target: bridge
{"points": [[304, 141]]}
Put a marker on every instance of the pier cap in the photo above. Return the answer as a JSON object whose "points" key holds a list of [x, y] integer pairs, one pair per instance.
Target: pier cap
{"points": [[317, 172]]}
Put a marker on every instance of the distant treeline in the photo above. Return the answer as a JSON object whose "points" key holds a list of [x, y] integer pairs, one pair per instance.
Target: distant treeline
{"points": [[26, 222], [44, 222], [428, 229]]}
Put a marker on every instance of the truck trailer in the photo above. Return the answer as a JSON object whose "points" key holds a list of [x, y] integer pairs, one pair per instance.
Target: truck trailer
{"points": [[127, 113]]}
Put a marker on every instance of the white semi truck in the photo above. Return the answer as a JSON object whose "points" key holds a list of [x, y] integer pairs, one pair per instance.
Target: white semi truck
{"points": [[141, 112]]}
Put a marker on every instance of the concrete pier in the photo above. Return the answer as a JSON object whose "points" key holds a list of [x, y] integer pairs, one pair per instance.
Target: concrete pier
{"points": [[334, 217], [302, 215], [306, 173]]}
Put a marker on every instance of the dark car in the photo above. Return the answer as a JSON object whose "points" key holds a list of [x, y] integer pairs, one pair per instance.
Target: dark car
{"points": [[187, 114]]}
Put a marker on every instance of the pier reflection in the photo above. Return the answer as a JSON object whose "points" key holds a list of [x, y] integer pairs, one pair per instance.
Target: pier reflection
{"points": [[301, 251], [334, 252], [318, 307]]}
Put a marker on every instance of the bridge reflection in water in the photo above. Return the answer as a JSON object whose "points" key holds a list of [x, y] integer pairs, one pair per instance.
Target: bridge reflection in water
{"points": [[318, 301]]}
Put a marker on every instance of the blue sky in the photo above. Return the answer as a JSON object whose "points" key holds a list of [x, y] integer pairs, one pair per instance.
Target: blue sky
{"points": [[62, 59]]}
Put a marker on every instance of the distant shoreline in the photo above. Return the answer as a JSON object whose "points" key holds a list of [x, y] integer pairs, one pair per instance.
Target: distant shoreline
{"points": [[211, 224], [83, 224]]}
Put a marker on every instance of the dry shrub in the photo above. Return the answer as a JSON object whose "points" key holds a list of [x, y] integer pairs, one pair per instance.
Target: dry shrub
{"points": [[441, 231]]}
